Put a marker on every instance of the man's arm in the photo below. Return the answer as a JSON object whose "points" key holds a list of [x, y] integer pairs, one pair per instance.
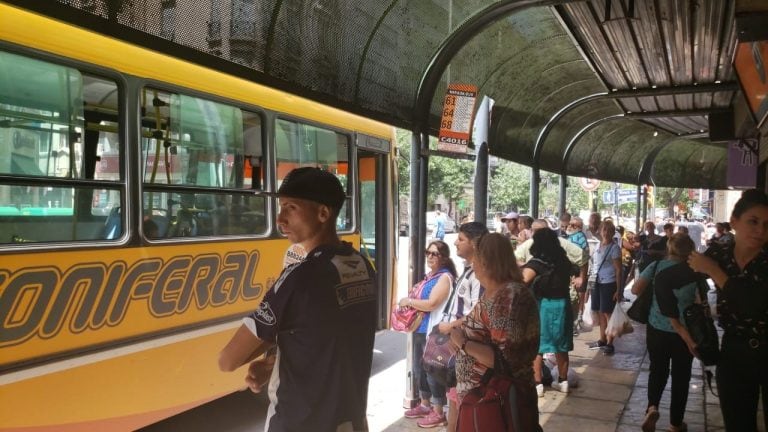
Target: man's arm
{"points": [[244, 347]]}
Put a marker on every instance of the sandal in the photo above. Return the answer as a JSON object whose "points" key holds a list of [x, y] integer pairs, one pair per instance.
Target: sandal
{"points": [[651, 417]]}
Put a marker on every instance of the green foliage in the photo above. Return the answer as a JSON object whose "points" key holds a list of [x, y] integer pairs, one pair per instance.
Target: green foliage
{"points": [[509, 187], [403, 139], [449, 177]]}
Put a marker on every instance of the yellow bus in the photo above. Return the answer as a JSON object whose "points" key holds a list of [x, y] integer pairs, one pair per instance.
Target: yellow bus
{"points": [[134, 234]]}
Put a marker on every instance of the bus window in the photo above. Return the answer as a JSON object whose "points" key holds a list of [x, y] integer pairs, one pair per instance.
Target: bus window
{"points": [[299, 145], [59, 124], [201, 162]]}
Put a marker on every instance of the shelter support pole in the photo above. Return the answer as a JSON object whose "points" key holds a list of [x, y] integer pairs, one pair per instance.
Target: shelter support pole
{"points": [[645, 208], [533, 202], [481, 183], [417, 226], [563, 191], [482, 121], [638, 202]]}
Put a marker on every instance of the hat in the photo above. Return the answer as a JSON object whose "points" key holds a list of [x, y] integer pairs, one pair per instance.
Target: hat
{"points": [[313, 184], [510, 215]]}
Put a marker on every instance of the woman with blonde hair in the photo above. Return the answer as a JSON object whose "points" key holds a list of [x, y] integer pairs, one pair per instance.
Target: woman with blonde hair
{"points": [[674, 287], [502, 327]]}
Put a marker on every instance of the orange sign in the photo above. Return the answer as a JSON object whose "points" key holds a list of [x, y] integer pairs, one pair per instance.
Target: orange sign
{"points": [[456, 122]]}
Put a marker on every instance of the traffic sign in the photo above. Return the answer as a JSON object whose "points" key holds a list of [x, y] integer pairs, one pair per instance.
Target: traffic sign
{"points": [[625, 196], [589, 184]]}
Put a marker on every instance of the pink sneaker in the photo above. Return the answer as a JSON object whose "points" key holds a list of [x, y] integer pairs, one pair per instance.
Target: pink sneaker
{"points": [[418, 411], [432, 420]]}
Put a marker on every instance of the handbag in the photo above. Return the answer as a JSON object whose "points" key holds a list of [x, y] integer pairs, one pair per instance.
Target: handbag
{"points": [[407, 319], [439, 359], [501, 403], [701, 327], [641, 307]]}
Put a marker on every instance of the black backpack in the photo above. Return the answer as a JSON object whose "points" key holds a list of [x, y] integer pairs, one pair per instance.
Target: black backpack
{"points": [[543, 280]]}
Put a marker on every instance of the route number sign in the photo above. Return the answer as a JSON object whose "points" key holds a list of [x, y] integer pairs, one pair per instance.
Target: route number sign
{"points": [[456, 121]]}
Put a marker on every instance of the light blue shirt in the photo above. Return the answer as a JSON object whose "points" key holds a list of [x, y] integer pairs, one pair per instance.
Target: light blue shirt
{"points": [[606, 273]]}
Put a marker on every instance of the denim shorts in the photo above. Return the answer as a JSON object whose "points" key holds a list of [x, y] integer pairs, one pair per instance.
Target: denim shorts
{"points": [[602, 297]]}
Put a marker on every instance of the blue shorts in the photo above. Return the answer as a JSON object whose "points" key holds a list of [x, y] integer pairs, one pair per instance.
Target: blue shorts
{"points": [[602, 297]]}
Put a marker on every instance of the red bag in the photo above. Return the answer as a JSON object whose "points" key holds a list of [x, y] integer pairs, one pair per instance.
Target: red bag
{"points": [[500, 404], [503, 404], [406, 319]]}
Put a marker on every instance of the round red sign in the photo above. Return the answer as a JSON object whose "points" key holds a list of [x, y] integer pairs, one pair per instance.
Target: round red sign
{"points": [[589, 184]]}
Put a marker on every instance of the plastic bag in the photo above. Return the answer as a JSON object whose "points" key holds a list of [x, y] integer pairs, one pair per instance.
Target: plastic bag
{"points": [[573, 378], [619, 323], [587, 317]]}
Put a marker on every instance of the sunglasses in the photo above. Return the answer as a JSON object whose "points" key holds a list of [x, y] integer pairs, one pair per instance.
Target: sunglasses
{"points": [[430, 253]]}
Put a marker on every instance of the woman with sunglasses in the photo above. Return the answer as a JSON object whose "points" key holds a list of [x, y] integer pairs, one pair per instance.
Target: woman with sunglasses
{"points": [[434, 294], [502, 327]]}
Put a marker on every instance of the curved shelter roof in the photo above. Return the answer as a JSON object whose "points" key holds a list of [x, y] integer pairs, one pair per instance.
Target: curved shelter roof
{"points": [[613, 89]]}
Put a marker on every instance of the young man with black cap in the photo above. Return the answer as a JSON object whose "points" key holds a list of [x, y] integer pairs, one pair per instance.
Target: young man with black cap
{"points": [[321, 315]]}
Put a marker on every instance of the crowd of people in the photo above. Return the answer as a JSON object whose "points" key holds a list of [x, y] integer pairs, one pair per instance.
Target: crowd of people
{"points": [[521, 295], [556, 272]]}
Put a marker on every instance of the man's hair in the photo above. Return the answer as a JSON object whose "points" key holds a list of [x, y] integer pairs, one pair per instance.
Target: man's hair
{"points": [[473, 230], [579, 220], [669, 226], [565, 217]]}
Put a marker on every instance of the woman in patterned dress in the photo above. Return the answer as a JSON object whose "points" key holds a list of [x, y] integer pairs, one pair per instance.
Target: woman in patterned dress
{"points": [[506, 317]]}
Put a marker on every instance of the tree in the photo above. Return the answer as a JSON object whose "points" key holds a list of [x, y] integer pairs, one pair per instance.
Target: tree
{"points": [[509, 187], [448, 177], [403, 140]]}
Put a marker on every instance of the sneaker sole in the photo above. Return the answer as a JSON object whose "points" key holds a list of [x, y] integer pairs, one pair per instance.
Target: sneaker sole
{"points": [[433, 425]]}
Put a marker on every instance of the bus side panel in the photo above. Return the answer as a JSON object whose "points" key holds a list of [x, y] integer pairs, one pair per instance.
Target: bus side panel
{"points": [[121, 393], [58, 302]]}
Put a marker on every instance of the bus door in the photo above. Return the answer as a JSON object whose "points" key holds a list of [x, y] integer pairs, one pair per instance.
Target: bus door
{"points": [[376, 220]]}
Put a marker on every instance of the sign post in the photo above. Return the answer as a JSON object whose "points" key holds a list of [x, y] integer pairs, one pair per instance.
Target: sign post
{"points": [[456, 122]]}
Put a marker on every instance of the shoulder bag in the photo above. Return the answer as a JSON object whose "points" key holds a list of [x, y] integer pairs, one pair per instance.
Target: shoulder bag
{"points": [[407, 319], [701, 327], [501, 403], [439, 359], [641, 307], [592, 280]]}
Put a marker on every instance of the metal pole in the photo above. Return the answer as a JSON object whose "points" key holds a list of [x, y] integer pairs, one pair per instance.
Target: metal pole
{"points": [[563, 191], [481, 160], [533, 202], [638, 202], [417, 238]]}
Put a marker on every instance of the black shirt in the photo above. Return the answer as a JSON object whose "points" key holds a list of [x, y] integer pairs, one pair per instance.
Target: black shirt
{"points": [[551, 281], [742, 304], [321, 313]]}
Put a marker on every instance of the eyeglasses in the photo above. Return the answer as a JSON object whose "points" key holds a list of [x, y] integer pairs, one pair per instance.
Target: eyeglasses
{"points": [[430, 253]]}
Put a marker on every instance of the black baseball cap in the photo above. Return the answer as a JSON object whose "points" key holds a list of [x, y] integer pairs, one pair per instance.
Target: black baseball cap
{"points": [[313, 184]]}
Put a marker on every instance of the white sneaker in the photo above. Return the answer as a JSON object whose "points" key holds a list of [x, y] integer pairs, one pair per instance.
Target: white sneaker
{"points": [[562, 387], [540, 390]]}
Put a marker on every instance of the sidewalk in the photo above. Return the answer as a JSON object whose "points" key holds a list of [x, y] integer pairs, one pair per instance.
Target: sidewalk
{"points": [[610, 396]]}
